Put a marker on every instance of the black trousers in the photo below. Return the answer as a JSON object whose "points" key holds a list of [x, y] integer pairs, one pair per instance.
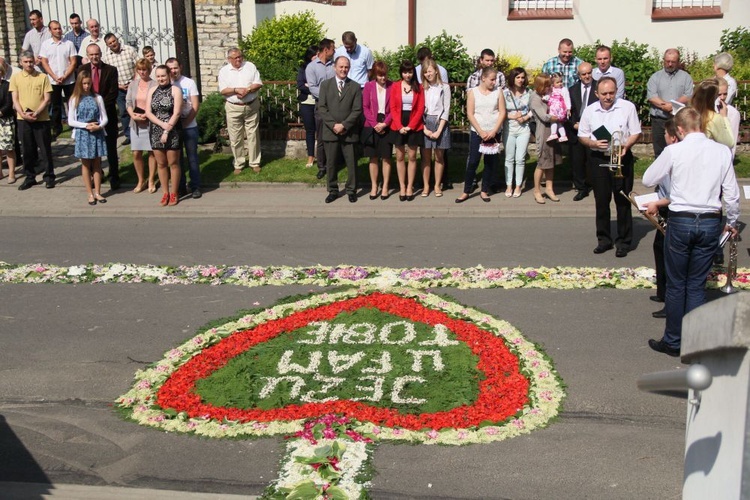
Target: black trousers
{"points": [[36, 144], [346, 150], [111, 139], [657, 135], [580, 158], [661, 270], [56, 108], [606, 186]]}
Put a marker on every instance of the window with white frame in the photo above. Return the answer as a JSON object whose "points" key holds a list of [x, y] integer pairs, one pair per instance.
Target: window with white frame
{"points": [[685, 9], [540, 9]]}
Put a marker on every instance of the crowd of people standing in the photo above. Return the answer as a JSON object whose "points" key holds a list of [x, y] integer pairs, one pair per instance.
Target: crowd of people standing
{"points": [[102, 87]]}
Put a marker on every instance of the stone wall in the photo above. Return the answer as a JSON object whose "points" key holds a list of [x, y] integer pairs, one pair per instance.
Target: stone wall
{"points": [[12, 29], [217, 29]]}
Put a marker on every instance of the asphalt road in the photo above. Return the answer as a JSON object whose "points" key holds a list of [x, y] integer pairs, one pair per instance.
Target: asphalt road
{"points": [[67, 351]]}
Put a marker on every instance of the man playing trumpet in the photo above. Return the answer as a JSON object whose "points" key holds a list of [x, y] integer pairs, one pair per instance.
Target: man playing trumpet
{"points": [[609, 128], [699, 173]]}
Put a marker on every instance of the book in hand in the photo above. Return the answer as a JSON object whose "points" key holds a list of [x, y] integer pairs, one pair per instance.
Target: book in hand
{"points": [[676, 106], [644, 199], [724, 238], [139, 110], [602, 134]]}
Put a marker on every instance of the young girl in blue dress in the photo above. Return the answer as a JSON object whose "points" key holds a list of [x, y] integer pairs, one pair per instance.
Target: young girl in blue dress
{"points": [[87, 118]]}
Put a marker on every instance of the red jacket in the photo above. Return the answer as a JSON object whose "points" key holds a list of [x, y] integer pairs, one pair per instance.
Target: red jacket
{"points": [[416, 120]]}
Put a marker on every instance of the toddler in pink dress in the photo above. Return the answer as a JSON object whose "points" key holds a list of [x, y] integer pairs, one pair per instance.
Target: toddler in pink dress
{"points": [[558, 105]]}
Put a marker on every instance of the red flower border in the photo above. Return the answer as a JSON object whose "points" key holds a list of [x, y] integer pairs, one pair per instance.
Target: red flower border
{"points": [[501, 395]]}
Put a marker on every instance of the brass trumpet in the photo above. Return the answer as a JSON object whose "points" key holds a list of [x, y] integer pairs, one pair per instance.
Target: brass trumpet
{"points": [[615, 154], [731, 267], [658, 221]]}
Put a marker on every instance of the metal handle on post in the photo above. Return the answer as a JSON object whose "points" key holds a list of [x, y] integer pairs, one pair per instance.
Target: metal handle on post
{"points": [[697, 377]]}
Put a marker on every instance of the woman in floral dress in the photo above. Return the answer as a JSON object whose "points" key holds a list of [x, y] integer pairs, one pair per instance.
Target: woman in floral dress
{"points": [[87, 118], [7, 129], [163, 108]]}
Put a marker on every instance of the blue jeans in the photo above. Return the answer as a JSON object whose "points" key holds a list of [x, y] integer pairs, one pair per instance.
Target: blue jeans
{"points": [[490, 163], [689, 248], [124, 116], [190, 141], [515, 155]]}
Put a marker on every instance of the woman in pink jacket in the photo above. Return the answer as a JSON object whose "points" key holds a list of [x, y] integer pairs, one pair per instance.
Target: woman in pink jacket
{"points": [[376, 101]]}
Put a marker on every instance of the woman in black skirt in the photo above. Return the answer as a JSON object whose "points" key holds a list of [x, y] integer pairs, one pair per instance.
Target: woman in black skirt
{"points": [[407, 110], [376, 107]]}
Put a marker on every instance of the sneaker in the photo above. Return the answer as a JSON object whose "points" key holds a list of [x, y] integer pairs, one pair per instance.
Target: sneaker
{"points": [[197, 193], [552, 137]]}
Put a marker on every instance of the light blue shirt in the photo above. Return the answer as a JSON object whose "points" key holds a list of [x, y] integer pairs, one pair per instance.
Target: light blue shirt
{"points": [[361, 61]]}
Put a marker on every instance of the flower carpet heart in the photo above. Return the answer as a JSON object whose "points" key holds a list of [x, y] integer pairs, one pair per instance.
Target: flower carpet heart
{"points": [[340, 371]]}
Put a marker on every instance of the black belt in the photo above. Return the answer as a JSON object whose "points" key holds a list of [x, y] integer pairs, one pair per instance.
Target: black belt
{"points": [[242, 103], [691, 215]]}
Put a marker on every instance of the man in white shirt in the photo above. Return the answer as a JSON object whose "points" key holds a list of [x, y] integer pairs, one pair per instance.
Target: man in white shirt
{"points": [[699, 173], [94, 32], [239, 83], [35, 36], [611, 122], [604, 68], [360, 58], [58, 58], [190, 132]]}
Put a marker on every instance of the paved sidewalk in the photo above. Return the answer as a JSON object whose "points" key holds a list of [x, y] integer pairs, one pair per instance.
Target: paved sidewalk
{"points": [[25, 491], [260, 200]]}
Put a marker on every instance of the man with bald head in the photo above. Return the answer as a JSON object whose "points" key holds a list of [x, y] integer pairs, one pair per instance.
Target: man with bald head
{"points": [[666, 85], [94, 37], [582, 93], [104, 80]]}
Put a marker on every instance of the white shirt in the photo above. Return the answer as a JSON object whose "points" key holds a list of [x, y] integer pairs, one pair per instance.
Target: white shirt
{"points": [[33, 39], [734, 122], [731, 88], [622, 116], [58, 56], [699, 173], [246, 75], [189, 89], [88, 41], [615, 73]]}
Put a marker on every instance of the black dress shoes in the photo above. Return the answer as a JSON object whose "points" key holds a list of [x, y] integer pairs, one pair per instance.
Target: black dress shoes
{"points": [[27, 184], [352, 198], [320, 174], [49, 184], [660, 346], [331, 197], [621, 252], [661, 313], [602, 248], [581, 195], [656, 298]]}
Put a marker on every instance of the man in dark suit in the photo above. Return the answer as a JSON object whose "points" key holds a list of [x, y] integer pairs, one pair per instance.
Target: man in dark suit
{"points": [[582, 93], [340, 107], [104, 81]]}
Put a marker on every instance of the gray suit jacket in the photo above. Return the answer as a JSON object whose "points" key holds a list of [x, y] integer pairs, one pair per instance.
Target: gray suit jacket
{"points": [[345, 109]]}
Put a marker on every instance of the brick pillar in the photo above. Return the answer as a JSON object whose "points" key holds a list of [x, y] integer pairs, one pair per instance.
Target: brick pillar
{"points": [[217, 26], [12, 29]]}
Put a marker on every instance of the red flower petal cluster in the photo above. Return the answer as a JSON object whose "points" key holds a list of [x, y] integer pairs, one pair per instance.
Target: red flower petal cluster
{"points": [[501, 394]]}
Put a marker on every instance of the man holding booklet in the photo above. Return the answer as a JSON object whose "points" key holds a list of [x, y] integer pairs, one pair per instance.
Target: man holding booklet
{"points": [[611, 124]]}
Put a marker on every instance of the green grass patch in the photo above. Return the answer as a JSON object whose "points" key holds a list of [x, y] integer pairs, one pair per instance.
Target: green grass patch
{"points": [[240, 383]]}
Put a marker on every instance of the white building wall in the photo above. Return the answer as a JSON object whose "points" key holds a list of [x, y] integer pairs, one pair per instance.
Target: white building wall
{"points": [[483, 23]]}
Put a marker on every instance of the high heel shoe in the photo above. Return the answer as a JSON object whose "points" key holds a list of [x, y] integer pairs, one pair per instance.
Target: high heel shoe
{"points": [[539, 198], [551, 195], [508, 193], [374, 196], [100, 198], [517, 193], [173, 200], [92, 201], [164, 200], [140, 187]]}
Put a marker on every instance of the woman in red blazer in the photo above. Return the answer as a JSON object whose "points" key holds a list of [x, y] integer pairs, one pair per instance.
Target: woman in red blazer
{"points": [[407, 110], [376, 106]]}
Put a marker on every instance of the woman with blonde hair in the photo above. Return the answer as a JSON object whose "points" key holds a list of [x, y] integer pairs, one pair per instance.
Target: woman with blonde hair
{"points": [[437, 105], [548, 152], [715, 125], [135, 103], [87, 117], [163, 109]]}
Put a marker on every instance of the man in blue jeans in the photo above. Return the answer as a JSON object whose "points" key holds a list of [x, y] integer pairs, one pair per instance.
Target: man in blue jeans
{"points": [[190, 132], [699, 174]]}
